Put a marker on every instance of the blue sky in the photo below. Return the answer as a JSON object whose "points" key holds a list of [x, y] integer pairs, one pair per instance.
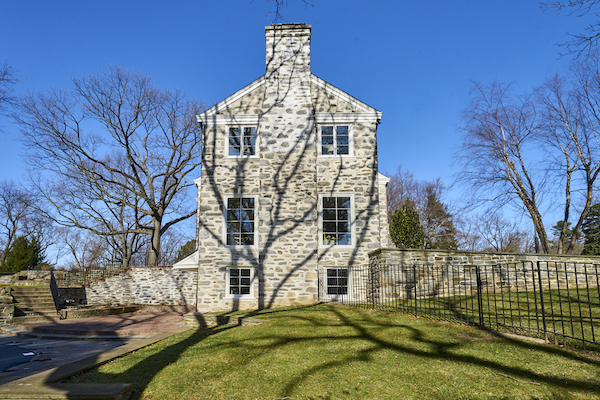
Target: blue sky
{"points": [[413, 60]]}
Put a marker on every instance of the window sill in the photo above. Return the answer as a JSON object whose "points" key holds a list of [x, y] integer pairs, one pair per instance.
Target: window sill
{"points": [[240, 297], [336, 247], [241, 247]]}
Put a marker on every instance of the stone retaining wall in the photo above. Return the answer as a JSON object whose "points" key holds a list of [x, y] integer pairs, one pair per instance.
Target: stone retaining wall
{"points": [[400, 273], [145, 286]]}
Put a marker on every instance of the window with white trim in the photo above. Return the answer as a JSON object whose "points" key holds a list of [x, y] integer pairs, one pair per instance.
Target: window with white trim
{"points": [[334, 140], [336, 220], [241, 141], [240, 221], [240, 282], [337, 282]]}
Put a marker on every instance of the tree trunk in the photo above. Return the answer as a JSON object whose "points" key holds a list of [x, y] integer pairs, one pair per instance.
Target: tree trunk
{"points": [[153, 257]]}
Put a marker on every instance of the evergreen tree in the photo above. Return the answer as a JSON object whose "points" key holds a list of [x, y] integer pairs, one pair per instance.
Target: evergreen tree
{"points": [[23, 254], [405, 229], [591, 230], [188, 248]]}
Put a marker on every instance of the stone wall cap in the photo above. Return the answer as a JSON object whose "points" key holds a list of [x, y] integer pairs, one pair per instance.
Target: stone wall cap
{"points": [[290, 26]]}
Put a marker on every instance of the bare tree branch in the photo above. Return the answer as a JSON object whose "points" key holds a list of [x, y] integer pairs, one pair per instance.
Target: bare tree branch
{"points": [[131, 177]]}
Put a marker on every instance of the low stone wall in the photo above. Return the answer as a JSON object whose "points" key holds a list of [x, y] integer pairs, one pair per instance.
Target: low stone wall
{"points": [[145, 286], [26, 278], [402, 273]]}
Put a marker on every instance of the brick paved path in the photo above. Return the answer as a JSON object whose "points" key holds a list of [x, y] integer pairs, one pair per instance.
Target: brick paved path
{"points": [[137, 323]]}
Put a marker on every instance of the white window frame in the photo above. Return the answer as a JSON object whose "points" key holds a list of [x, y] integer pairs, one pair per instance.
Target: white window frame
{"points": [[335, 126], [228, 294], [255, 221], [323, 245], [335, 297], [256, 142]]}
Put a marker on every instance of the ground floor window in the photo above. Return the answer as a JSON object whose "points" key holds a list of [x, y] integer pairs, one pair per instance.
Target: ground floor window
{"points": [[337, 282], [239, 282]]}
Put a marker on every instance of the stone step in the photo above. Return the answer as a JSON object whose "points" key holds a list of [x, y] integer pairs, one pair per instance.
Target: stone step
{"points": [[80, 391], [36, 317], [40, 301]]}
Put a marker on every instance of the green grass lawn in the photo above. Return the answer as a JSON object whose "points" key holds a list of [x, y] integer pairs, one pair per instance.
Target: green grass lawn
{"points": [[568, 313], [336, 352]]}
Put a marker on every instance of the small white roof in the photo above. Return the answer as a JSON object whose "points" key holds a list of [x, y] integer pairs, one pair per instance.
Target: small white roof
{"points": [[190, 262]]}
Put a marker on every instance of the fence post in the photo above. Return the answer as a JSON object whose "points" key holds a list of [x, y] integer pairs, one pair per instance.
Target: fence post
{"points": [[542, 301], [479, 295]]}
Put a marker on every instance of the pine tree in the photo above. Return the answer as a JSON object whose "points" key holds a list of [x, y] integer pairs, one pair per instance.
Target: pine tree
{"points": [[23, 254], [591, 230], [405, 229]]}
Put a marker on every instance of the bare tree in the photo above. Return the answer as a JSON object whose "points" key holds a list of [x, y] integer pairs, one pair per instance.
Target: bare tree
{"points": [[579, 43], [499, 234], [85, 248], [425, 198], [149, 143], [498, 133], [279, 5], [19, 216], [7, 82]]}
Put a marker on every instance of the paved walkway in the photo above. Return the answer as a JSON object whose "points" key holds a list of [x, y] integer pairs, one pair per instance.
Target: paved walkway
{"points": [[132, 324], [56, 342]]}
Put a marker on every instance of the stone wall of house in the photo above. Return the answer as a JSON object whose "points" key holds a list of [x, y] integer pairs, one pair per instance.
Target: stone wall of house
{"points": [[401, 273], [287, 177], [144, 286]]}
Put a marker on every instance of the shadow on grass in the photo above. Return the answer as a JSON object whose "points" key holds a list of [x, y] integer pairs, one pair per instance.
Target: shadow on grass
{"points": [[315, 324]]}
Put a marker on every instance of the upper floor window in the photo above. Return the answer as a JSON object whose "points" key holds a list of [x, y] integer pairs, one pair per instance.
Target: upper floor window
{"points": [[335, 140], [240, 222], [241, 141]]}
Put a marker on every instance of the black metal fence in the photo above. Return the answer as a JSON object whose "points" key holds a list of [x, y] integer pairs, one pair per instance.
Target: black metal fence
{"points": [[559, 302]]}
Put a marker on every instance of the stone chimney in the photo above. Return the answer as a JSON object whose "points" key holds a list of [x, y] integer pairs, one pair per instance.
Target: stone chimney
{"points": [[287, 103], [288, 49]]}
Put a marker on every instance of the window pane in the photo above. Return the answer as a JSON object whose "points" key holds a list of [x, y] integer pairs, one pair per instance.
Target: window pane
{"points": [[329, 239], [234, 290], [343, 227], [248, 227], [234, 272], [342, 272], [245, 272], [245, 281], [234, 281], [332, 272], [247, 239], [328, 215], [342, 130], [327, 130], [233, 202], [233, 227], [345, 239], [342, 140], [343, 215], [343, 150], [328, 202], [234, 141], [245, 290], [329, 227], [327, 149], [247, 202], [343, 202], [326, 140]]}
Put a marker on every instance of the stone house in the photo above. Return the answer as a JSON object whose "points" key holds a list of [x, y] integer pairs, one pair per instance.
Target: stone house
{"points": [[289, 196]]}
